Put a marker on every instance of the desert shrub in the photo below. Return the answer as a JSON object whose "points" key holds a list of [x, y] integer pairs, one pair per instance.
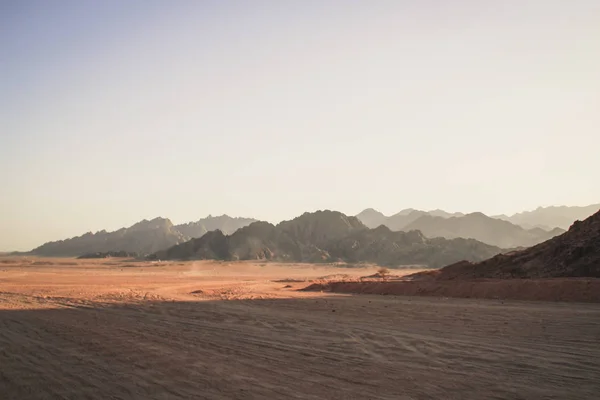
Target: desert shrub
{"points": [[383, 272]]}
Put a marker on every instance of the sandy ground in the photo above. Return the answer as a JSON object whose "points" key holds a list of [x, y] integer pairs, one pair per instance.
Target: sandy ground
{"points": [[113, 329], [553, 289]]}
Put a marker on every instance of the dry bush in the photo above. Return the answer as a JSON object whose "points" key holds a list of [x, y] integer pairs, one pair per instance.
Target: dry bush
{"points": [[383, 272]]}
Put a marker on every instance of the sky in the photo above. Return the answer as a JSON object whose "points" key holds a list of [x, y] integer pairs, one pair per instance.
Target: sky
{"points": [[114, 111]]}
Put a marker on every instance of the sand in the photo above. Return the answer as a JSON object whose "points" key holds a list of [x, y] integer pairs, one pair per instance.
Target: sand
{"points": [[553, 289], [114, 329]]}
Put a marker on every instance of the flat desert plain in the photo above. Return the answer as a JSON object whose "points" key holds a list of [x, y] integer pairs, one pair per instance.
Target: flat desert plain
{"points": [[115, 329]]}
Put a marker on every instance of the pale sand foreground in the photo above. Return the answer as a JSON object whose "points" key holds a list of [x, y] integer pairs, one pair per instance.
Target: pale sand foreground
{"points": [[112, 329]]}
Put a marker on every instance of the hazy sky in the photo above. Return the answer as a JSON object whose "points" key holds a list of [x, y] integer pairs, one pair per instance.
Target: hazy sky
{"points": [[113, 111]]}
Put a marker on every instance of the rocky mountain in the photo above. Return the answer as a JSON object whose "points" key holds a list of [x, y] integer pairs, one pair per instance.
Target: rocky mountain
{"points": [[144, 237], [483, 228], [327, 236], [550, 217], [575, 253], [224, 223]]}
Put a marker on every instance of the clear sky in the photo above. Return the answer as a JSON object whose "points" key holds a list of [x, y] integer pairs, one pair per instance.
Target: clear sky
{"points": [[113, 111]]}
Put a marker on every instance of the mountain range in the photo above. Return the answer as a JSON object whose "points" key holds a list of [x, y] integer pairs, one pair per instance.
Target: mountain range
{"points": [[519, 230], [397, 222], [144, 237], [575, 253], [546, 218], [148, 237], [550, 217], [483, 228], [328, 236]]}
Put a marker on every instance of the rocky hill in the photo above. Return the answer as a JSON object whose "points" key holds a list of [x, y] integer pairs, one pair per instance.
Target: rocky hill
{"points": [[327, 236], [144, 237], [483, 228], [224, 223], [575, 253], [547, 217]]}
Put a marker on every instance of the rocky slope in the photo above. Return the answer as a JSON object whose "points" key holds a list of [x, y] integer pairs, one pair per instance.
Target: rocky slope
{"points": [[483, 228], [327, 236], [575, 253]]}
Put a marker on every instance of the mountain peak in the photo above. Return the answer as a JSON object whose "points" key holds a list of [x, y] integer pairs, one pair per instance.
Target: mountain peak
{"points": [[371, 217], [368, 211], [477, 214], [152, 224], [406, 211]]}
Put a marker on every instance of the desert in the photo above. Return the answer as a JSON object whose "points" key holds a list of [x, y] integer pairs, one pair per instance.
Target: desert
{"points": [[299, 200], [116, 328]]}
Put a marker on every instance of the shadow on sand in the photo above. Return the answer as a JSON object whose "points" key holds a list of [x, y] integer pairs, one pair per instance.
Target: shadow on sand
{"points": [[337, 347]]}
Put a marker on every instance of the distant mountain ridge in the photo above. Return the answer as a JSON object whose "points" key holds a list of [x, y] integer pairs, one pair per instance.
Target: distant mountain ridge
{"points": [[546, 218], [553, 216], [224, 223], [526, 229], [483, 228], [328, 236], [575, 253], [149, 237], [397, 222], [144, 237]]}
